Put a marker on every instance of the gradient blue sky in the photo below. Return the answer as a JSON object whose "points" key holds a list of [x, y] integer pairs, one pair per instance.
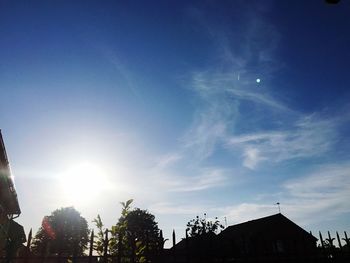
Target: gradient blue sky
{"points": [[161, 101]]}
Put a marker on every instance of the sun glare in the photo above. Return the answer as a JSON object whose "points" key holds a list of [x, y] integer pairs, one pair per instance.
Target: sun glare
{"points": [[83, 183]]}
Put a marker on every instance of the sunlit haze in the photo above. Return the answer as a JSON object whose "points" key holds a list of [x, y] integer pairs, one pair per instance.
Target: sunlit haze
{"points": [[83, 183]]}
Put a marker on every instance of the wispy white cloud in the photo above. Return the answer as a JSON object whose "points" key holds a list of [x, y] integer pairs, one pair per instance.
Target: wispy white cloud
{"points": [[201, 179], [230, 83], [168, 160], [256, 97], [252, 157], [171, 208], [246, 211], [224, 91], [325, 189], [217, 122], [120, 67], [307, 199], [310, 136], [229, 98], [316, 196], [205, 134]]}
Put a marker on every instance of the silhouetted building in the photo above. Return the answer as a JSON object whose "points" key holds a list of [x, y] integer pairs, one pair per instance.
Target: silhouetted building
{"points": [[11, 233], [269, 238], [196, 249], [274, 235]]}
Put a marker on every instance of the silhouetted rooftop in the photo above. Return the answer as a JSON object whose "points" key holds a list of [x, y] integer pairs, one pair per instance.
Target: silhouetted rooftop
{"points": [[271, 224], [8, 195]]}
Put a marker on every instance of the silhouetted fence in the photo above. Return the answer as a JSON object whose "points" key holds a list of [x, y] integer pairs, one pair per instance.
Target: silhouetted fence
{"points": [[212, 249], [120, 253], [329, 249]]}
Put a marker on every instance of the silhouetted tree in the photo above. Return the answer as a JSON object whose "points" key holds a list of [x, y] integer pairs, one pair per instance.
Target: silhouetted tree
{"points": [[64, 232], [199, 226], [141, 225], [99, 237], [138, 233]]}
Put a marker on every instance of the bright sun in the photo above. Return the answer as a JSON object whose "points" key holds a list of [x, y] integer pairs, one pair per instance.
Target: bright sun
{"points": [[83, 183]]}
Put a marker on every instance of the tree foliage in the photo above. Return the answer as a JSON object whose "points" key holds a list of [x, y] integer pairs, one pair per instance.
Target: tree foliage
{"points": [[99, 237], [119, 231], [64, 232], [199, 226], [136, 234], [141, 225], [139, 232]]}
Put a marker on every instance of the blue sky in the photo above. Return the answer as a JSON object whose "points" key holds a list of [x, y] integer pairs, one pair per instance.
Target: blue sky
{"points": [[189, 107]]}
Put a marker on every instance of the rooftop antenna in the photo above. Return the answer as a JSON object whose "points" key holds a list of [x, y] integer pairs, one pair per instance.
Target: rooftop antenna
{"points": [[225, 221], [279, 208]]}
